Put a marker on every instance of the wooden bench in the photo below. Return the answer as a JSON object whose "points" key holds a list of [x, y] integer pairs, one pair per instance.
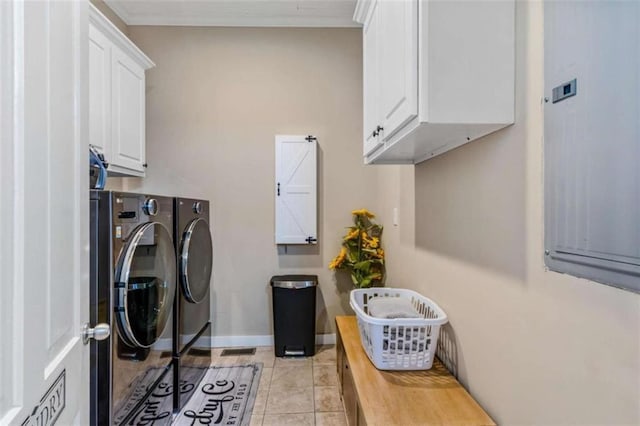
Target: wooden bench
{"points": [[383, 398]]}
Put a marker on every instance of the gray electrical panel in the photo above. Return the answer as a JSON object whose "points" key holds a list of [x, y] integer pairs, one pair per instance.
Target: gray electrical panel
{"points": [[592, 141]]}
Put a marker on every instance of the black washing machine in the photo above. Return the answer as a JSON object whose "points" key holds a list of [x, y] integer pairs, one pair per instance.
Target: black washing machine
{"points": [[132, 292], [192, 325]]}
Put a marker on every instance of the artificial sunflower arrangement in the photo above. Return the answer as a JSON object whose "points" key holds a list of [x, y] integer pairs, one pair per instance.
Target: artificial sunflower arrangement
{"points": [[361, 252]]}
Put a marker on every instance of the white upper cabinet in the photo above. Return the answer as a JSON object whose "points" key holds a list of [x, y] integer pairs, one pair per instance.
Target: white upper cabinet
{"points": [[437, 74], [116, 97]]}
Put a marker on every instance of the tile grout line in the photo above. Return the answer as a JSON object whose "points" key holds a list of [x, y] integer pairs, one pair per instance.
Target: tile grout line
{"points": [[264, 411], [313, 389]]}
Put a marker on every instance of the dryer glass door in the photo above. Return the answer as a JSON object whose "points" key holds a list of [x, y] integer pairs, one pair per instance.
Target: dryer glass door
{"points": [[196, 260], [145, 285]]}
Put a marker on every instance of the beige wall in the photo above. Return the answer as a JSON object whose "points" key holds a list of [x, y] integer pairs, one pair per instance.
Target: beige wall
{"points": [[533, 346], [215, 101]]}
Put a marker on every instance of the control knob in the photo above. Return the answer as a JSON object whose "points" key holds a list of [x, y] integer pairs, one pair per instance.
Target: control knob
{"points": [[150, 207]]}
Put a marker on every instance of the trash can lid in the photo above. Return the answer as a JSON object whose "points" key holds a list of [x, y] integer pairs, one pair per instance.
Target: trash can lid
{"points": [[294, 281]]}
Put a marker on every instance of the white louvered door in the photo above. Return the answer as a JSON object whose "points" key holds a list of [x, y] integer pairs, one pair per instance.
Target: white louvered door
{"points": [[296, 190], [44, 212]]}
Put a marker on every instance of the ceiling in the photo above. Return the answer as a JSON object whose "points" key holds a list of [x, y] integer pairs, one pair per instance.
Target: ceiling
{"points": [[236, 13]]}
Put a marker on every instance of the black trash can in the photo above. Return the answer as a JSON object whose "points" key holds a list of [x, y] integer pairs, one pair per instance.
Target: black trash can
{"points": [[294, 314]]}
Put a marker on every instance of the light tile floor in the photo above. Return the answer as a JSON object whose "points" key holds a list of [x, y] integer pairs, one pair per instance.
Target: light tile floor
{"points": [[294, 391]]}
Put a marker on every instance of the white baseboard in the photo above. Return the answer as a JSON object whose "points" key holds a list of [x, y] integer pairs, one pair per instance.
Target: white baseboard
{"points": [[262, 340], [235, 341], [326, 339]]}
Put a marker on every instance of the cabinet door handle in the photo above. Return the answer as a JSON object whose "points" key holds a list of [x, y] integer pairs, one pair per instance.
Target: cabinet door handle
{"points": [[377, 131]]}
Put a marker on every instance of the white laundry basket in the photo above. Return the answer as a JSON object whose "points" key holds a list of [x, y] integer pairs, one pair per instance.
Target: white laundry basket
{"points": [[401, 343]]}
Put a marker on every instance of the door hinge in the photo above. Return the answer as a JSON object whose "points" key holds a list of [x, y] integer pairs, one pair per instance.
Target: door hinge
{"points": [[278, 189], [310, 138], [311, 240]]}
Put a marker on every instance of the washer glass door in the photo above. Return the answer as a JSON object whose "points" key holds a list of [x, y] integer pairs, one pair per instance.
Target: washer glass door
{"points": [[145, 285], [196, 260]]}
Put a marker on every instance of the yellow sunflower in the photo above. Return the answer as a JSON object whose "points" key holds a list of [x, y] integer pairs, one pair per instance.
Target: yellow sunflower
{"points": [[361, 251], [364, 212], [352, 234], [370, 242], [335, 263]]}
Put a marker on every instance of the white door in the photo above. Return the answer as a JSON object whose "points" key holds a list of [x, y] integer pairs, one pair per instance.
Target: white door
{"points": [[296, 190], [44, 212], [398, 59]]}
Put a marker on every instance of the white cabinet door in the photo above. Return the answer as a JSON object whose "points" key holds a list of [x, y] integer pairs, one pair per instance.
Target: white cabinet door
{"points": [[127, 112], [44, 206], [296, 190], [398, 59], [100, 90], [370, 81]]}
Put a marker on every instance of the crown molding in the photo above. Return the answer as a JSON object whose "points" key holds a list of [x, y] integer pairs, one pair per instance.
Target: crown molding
{"points": [[102, 23], [246, 13], [361, 11]]}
